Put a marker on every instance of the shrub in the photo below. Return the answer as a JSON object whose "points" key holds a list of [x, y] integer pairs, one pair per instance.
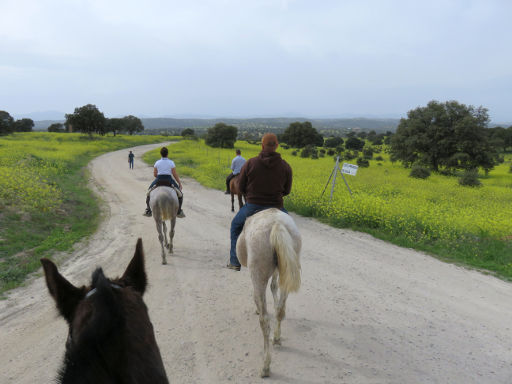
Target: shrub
{"points": [[332, 142], [510, 169], [368, 153], [350, 155], [331, 152], [294, 153], [419, 172], [309, 151], [363, 163], [470, 178], [379, 158]]}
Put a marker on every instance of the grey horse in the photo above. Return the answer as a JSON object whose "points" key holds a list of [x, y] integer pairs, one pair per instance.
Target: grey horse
{"points": [[164, 204], [269, 246]]}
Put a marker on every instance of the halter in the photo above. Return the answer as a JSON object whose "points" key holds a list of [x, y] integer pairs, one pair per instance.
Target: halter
{"points": [[93, 291]]}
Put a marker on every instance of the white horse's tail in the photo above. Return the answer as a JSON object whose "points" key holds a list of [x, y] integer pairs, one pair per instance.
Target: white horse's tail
{"points": [[288, 261]]}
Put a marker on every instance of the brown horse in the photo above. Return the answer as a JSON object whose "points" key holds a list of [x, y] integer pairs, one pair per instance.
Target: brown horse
{"points": [[233, 188], [111, 338]]}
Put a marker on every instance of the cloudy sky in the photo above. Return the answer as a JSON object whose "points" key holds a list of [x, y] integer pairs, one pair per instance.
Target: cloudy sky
{"points": [[254, 58]]}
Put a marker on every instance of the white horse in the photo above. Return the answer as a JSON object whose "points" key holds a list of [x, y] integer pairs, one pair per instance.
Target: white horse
{"points": [[164, 204], [270, 245]]}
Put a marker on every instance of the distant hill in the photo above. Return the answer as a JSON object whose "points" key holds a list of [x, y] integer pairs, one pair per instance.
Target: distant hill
{"points": [[367, 124], [276, 124], [42, 125]]}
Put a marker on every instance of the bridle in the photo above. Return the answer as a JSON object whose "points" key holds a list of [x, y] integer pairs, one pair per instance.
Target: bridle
{"points": [[93, 291]]}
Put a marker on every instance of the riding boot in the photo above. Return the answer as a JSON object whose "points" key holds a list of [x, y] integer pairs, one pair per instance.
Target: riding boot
{"points": [[148, 209], [180, 212]]}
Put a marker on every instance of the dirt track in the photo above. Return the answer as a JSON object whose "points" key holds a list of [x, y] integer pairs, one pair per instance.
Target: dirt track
{"points": [[367, 312]]}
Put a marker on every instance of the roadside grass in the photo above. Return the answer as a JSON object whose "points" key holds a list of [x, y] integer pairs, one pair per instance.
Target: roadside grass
{"points": [[462, 225], [32, 227]]}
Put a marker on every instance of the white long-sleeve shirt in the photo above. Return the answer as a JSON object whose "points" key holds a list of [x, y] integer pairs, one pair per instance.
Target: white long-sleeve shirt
{"points": [[237, 164]]}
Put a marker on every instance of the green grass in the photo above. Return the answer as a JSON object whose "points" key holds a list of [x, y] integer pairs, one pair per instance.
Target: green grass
{"points": [[51, 165]]}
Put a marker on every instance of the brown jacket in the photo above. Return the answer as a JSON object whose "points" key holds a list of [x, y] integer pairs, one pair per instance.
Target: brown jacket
{"points": [[265, 179]]}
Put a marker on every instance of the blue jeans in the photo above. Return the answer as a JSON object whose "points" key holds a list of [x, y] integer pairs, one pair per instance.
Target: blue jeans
{"points": [[164, 177], [237, 225]]}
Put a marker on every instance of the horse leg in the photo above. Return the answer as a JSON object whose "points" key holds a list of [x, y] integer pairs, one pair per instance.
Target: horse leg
{"points": [[171, 234], [240, 201], [165, 234], [161, 239], [280, 313], [260, 287], [274, 288], [232, 202]]}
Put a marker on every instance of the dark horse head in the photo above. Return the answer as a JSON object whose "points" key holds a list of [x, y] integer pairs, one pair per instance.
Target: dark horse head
{"points": [[111, 338]]}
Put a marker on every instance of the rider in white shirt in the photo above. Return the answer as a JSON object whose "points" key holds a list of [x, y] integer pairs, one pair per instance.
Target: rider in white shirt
{"points": [[236, 166], [165, 169]]}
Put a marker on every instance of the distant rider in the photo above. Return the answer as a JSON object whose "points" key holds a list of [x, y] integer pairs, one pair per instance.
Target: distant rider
{"points": [[236, 166], [165, 169]]}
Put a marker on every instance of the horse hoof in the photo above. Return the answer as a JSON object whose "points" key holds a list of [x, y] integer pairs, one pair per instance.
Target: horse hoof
{"points": [[276, 341], [164, 262], [265, 372]]}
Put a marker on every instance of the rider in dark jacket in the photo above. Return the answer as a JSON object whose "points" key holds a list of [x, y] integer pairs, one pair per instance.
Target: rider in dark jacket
{"points": [[264, 180]]}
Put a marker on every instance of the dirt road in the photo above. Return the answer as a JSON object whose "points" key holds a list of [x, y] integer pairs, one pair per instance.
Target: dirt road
{"points": [[367, 312]]}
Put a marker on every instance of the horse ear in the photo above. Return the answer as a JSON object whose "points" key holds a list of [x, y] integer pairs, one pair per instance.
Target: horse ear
{"points": [[135, 275], [65, 294]]}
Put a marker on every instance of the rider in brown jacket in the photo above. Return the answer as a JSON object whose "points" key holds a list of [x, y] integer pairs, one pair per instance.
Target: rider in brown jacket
{"points": [[264, 180]]}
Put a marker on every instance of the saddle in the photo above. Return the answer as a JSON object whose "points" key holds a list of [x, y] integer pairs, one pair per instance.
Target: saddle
{"points": [[163, 183], [166, 183]]}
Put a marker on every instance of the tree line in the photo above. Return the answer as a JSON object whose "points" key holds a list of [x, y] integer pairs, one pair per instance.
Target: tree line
{"points": [[9, 125], [87, 119], [444, 137]]}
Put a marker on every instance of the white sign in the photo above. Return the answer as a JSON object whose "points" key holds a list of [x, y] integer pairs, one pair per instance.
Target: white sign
{"points": [[349, 169]]}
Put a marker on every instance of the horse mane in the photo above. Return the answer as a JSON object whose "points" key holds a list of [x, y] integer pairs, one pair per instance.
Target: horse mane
{"points": [[99, 337]]}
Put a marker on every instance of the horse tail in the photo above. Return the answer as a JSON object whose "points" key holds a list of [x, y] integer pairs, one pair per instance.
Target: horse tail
{"points": [[165, 206], [288, 262]]}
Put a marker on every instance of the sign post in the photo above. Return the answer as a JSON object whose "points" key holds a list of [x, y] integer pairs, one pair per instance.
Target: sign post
{"points": [[349, 169]]}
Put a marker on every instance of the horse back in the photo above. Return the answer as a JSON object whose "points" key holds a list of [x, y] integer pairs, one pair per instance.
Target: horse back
{"points": [[164, 203], [254, 242]]}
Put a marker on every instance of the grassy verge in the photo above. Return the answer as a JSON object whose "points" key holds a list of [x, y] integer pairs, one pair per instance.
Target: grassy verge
{"points": [[29, 232]]}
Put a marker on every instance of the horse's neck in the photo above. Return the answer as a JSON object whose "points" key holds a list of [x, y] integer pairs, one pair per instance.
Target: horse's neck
{"points": [[87, 371]]}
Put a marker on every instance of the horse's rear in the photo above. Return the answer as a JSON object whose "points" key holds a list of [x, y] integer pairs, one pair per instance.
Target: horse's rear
{"points": [[164, 204], [269, 246]]}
